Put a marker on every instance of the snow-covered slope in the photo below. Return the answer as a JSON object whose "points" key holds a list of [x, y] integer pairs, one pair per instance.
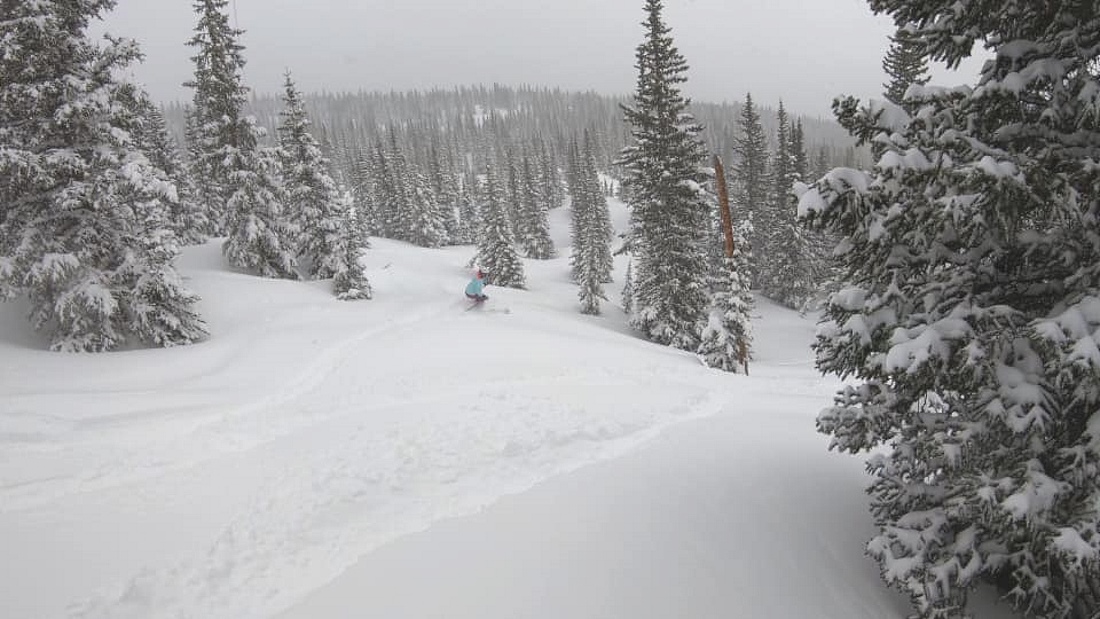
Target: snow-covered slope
{"points": [[233, 478]]}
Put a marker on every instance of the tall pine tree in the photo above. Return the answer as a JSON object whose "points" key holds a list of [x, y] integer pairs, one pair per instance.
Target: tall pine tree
{"points": [[240, 179], [215, 116], [727, 340], [750, 173], [969, 328], [534, 214], [785, 274], [311, 193], [591, 231], [260, 234], [496, 248], [667, 199], [86, 233]]}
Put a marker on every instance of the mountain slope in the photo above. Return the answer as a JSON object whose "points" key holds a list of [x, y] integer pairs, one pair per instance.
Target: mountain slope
{"points": [[233, 478]]}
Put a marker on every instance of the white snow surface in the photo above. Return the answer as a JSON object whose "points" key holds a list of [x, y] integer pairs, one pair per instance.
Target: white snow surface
{"points": [[402, 457]]}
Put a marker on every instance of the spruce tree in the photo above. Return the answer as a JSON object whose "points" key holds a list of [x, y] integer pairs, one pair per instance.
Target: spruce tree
{"points": [[468, 221], [215, 119], [85, 234], [628, 289], [260, 235], [968, 329], [727, 339], [496, 248], [591, 230], [550, 185], [599, 231], [427, 225], [535, 225], [387, 195], [186, 216], [349, 280], [667, 200], [311, 193], [800, 161], [785, 274], [447, 195], [751, 181], [905, 64]]}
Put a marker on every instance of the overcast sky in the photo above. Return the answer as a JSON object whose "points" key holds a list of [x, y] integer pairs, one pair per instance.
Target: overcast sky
{"points": [[803, 51]]}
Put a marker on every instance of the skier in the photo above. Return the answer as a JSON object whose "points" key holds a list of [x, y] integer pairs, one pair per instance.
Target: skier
{"points": [[475, 287]]}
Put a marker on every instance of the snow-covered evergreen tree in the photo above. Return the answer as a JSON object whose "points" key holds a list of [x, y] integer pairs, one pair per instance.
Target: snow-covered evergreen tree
{"points": [[447, 195], [800, 161], [349, 241], [260, 235], [750, 179], [241, 179], [311, 192], [186, 216], [215, 121], [667, 200], [427, 221], [906, 65], [578, 209], [469, 221], [784, 261], [387, 195], [591, 231], [496, 247], [535, 222], [628, 289], [85, 232], [968, 333], [550, 183], [727, 339]]}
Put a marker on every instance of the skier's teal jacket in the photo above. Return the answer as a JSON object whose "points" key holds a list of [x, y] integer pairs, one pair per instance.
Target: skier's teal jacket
{"points": [[475, 287]]}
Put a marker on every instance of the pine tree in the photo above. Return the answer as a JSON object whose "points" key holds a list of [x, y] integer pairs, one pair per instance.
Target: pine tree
{"points": [[496, 248], [968, 331], [311, 193], [591, 231], [751, 178], [905, 64], [447, 195], [550, 185], [628, 289], [668, 205], [535, 225], [215, 119], [727, 340], [85, 232], [426, 217], [186, 216], [260, 236], [349, 280], [599, 230], [800, 161], [469, 220], [386, 194], [784, 268]]}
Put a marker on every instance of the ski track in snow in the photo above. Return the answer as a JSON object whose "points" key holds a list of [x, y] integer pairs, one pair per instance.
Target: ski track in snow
{"points": [[232, 430], [317, 516]]}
